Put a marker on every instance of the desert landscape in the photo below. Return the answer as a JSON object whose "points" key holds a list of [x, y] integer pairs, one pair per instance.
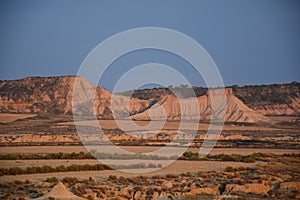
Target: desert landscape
{"points": [[149, 100], [45, 156]]}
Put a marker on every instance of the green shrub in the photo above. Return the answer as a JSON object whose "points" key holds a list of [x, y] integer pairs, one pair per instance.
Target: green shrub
{"points": [[47, 169], [112, 177], [17, 182], [52, 180], [172, 176], [222, 188], [229, 169], [70, 180], [249, 160]]}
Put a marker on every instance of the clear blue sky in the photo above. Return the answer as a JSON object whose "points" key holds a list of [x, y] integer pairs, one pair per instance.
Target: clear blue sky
{"points": [[252, 42]]}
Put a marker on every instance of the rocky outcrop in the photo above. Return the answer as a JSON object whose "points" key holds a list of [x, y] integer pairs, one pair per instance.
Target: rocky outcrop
{"points": [[275, 99], [37, 94], [256, 188], [203, 191], [174, 108], [71, 94], [292, 108], [60, 192], [59, 94], [290, 186], [38, 138]]}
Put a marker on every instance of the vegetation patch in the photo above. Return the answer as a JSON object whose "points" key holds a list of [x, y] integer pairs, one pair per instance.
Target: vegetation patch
{"points": [[223, 157], [49, 169]]}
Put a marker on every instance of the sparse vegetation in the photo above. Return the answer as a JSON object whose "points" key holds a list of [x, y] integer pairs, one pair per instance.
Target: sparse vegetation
{"points": [[262, 182], [222, 157], [273, 176], [48, 169], [81, 155], [47, 156], [249, 94], [229, 169]]}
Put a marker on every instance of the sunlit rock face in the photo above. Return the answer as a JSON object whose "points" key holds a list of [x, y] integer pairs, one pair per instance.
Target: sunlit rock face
{"points": [[71, 94], [59, 94], [201, 108]]}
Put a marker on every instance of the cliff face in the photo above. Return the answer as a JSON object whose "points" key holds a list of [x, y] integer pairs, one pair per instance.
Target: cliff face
{"points": [[36, 94], [275, 99], [169, 106], [55, 95], [291, 108]]}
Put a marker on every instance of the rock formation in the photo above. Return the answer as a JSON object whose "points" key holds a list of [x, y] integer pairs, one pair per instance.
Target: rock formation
{"points": [[71, 94], [169, 106], [274, 99], [56, 95], [60, 192], [292, 108]]}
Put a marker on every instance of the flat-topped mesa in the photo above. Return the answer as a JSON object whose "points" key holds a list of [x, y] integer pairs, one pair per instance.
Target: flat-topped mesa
{"points": [[219, 91], [60, 95]]}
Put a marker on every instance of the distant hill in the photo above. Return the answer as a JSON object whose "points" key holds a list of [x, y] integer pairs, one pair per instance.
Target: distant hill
{"points": [[54, 95], [274, 99], [236, 110]]}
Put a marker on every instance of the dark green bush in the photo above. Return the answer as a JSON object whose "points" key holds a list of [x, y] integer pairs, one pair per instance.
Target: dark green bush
{"points": [[52, 180], [47, 169], [229, 169], [249, 160]]}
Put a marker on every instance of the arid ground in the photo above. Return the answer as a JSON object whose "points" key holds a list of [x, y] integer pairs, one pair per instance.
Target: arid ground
{"points": [[54, 142], [249, 161]]}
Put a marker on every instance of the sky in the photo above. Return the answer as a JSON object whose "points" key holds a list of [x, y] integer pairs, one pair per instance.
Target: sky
{"points": [[251, 42]]}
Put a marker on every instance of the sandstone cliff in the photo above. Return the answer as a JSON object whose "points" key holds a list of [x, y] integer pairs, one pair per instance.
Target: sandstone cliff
{"points": [[54, 95], [275, 99], [36, 94], [169, 107], [71, 94]]}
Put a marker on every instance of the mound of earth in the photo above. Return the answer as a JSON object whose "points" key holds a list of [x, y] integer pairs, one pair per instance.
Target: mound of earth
{"points": [[60, 192]]}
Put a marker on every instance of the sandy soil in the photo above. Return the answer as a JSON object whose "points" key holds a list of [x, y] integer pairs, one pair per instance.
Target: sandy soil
{"points": [[177, 167], [8, 117], [137, 149]]}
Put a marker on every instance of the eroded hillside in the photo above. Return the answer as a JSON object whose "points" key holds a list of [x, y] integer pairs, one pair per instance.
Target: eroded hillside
{"points": [[56, 95], [71, 94], [275, 99]]}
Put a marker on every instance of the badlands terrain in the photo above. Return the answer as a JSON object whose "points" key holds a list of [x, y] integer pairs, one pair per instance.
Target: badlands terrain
{"points": [[42, 155]]}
